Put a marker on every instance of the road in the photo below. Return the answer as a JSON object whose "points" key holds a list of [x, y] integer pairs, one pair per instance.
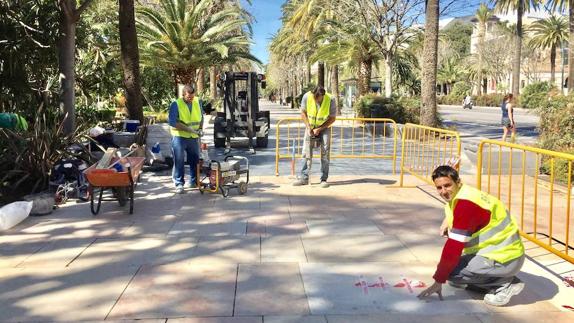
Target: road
{"points": [[485, 123]]}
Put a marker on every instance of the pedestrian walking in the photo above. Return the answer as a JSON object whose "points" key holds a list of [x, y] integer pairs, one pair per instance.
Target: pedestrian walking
{"points": [[484, 251], [318, 112], [508, 118], [186, 124]]}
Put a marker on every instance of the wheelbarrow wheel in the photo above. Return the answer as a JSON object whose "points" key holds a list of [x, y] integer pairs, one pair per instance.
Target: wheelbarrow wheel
{"points": [[122, 195], [97, 209]]}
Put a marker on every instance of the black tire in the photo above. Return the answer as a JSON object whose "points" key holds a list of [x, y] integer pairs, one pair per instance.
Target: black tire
{"points": [[262, 142], [219, 142], [122, 195], [242, 188]]}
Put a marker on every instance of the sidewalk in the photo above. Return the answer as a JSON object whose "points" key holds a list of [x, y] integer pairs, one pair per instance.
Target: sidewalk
{"points": [[278, 254]]}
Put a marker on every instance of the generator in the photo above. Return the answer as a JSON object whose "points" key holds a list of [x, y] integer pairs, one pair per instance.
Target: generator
{"points": [[221, 176], [241, 116]]}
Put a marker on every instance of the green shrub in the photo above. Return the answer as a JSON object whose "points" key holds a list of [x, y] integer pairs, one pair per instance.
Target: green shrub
{"points": [[557, 131], [375, 106], [487, 100], [460, 90], [534, 95], [90, 116], [449, 99]]}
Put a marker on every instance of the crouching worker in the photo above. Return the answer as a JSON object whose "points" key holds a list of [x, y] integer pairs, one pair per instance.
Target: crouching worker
{"points": [[484, 251]]}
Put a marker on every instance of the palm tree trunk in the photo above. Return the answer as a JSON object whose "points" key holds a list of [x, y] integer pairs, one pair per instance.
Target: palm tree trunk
{"points": [[388, 76], [130, 59], [200, 80], [518, 51], [213, 82], [66, 65], [429, 68], [364, 77], [553, 64], [335, 86], [321, 74], [570, 46]]}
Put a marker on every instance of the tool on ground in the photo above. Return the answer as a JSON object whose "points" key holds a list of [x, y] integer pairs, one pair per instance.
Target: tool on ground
{"points": [[221, 176]]}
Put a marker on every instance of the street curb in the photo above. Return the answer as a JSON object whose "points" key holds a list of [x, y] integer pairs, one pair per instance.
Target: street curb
{"points": [[484, 107]]}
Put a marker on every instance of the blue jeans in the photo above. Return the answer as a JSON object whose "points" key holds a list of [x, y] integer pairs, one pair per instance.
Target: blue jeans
{"points": [[324, 139], [180, 146]]}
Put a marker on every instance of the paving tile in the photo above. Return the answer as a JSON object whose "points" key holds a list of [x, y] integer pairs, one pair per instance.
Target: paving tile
{"points": [[403, 318], [190, 228], [270, 289], [282, 249], [342, 226], [178, 291], [353, 248], [57, 253], [61, 294], [137, 251], [295, 319], [527, 316], [340, 289], [228, 249], [233, 319]]}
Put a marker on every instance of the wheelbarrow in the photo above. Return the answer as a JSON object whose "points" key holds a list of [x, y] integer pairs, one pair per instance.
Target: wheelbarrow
{"points": [[121, 177]]}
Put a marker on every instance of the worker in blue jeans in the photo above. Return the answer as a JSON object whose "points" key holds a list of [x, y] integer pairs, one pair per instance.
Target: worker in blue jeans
{"points": [[186, 124]]}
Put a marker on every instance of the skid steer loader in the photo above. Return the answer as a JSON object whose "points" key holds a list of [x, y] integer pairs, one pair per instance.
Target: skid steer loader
{"points": [[241, 116]]}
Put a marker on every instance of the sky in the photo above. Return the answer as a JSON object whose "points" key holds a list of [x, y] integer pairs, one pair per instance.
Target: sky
{"points": [[267, 15]]}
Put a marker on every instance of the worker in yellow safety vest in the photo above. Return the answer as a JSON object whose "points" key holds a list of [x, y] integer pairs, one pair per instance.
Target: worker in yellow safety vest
{"points": [[186, 124], [318, 111], [484, 251]]}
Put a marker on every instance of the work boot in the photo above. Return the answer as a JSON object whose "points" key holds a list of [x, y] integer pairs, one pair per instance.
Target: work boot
{"points": [[502, 296], [300, 182], [324, 184]]}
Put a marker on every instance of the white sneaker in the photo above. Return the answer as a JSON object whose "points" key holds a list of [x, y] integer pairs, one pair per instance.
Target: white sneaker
{"points": [[179, 189], [502, 297], [324, 184]]}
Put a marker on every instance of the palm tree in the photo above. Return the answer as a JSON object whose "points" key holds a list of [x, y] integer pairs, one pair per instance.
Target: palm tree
{"points": [[130, 59], [521, 6], [449, 73], [430, 59], [181, 36], [561, 5], [482, 16], [549, 33], [69, 17]]}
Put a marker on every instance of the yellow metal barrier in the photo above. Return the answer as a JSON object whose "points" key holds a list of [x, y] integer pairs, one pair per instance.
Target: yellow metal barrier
{"points": [[537, 182], [350, 138], [424, 148]]}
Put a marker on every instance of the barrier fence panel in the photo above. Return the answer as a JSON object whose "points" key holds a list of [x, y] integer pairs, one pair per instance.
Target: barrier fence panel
{"points": [[424, 148], [358, 138], [536, 186]]}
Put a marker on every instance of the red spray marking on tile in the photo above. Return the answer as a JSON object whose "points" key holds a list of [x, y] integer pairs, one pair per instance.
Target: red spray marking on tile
{"points": [[568, 281], [408, 285], [568, 307], [364, 285]]}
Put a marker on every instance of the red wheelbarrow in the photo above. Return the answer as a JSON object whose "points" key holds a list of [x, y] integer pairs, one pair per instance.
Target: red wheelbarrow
{"points": [[122, 182]]}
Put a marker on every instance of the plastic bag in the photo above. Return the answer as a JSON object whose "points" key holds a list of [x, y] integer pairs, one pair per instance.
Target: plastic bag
{"points": [[14, 213]]}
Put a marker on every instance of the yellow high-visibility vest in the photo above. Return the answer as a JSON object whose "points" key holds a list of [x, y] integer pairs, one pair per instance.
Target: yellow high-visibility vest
{"points": [[189, 118], [499, 240], [318, 117]]}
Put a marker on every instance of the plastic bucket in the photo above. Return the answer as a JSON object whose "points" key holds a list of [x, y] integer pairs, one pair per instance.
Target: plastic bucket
{"points": [[131, 125]]}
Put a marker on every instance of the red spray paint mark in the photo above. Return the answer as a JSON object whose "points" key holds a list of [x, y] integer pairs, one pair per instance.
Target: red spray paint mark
{"points": [[568, 281], [408, 285], [363, 284], [568, 307]]}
